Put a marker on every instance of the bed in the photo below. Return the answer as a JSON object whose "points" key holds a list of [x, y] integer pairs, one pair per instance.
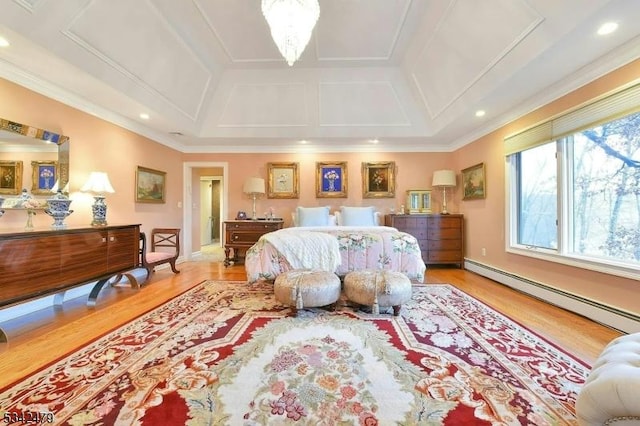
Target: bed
{"points": [[341, 248]]}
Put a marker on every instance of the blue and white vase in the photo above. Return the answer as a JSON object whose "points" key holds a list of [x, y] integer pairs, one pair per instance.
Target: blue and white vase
{"points": [[58, 209]]}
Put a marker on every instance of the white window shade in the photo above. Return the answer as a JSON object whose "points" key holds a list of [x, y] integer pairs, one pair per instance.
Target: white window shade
{"points": [[599, 111]]}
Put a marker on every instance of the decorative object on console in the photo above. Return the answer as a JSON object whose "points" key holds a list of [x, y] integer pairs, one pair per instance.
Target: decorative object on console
{"points": [[284, 180], [291, 23], [378, 179], [418, 200], [98, 184], [473, 182], [331, 180], [31, 204], [444, 179], [59, 209], [150, 185], [44, 176], [1, 203], [254, 187], [10, 177]]}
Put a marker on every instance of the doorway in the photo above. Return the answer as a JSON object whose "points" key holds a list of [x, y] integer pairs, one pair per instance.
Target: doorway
{"points": [[192, 171], [210, 210]]}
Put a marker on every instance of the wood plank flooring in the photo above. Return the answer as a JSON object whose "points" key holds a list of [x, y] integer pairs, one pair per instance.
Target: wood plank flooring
{"points": [[40, 338]]}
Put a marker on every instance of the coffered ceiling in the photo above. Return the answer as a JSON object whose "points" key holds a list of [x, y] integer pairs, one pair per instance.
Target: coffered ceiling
{"points": [[408, 73]]}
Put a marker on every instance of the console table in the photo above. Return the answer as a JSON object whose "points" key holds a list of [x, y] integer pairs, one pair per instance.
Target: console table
{"points": [[48, 262], [240, 235]]}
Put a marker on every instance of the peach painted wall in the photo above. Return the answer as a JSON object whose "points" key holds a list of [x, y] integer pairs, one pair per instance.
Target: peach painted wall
{"points": [[96, 145], [414, 171], [486, 219]]}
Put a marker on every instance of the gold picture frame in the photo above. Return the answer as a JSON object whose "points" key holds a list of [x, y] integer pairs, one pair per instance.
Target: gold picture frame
{"points": [[151, 185], [10, 177], [474, 182], [419, 201], [284, 180], [44, 175], [331, 180], [379, 179]]}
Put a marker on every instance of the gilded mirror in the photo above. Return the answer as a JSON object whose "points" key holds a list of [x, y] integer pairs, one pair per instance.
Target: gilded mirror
{"points": [[31, 153]]}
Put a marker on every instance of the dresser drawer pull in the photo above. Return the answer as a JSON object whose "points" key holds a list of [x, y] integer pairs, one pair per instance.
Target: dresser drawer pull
{"points": [[235, 237]]}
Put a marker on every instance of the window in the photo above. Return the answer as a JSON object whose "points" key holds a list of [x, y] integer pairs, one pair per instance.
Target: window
{"points": [[574, 187]]}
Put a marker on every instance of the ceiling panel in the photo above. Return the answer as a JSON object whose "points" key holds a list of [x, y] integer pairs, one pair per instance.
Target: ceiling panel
{"points": [[132, 38], [265, 105], [468, 42], [409, 72], [349, 104]]}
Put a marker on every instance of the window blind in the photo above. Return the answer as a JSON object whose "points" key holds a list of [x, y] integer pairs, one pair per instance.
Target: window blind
{"points": [[600, 111]]}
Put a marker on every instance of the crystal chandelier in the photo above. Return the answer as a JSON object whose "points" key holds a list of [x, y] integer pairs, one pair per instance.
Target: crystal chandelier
{"points": [[291, 23]]}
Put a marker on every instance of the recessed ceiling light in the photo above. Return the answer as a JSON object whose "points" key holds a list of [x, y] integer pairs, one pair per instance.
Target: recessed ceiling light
{"points": [[374, 141], [4, 42], [303, 142], [480, 113], [144, 116], [607, 28]]}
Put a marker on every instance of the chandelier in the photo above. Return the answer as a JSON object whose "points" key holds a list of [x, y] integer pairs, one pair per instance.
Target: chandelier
{"points": [[291, 23]]}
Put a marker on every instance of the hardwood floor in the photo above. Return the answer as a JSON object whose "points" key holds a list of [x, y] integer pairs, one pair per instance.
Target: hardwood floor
{"points": [[39, 338]]}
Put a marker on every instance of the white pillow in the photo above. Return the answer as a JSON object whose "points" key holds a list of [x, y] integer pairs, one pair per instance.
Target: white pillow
{"points": [[357, 216], [333, 220], [313, 216]]}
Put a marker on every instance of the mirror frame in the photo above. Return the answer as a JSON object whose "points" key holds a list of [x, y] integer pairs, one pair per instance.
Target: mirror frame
{"points": [[46, 135]]}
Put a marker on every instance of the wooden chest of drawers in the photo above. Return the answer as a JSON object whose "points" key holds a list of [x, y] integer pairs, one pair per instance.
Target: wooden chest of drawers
{"points": [[239, 235], [440, 236]]}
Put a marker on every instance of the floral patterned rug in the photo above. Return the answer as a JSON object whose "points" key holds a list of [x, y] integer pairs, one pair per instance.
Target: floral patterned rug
{"points": [[226, 353]]}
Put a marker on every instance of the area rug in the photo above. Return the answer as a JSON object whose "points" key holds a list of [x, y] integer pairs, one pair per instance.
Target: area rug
{"points": [[226, 353]]}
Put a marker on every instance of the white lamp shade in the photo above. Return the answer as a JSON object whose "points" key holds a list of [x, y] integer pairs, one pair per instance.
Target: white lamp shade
{"points": [[254, 186], [98, 182], [444, 178]]}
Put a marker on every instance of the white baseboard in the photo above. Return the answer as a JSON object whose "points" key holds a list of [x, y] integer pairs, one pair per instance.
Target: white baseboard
{"points": [[618, 319]]}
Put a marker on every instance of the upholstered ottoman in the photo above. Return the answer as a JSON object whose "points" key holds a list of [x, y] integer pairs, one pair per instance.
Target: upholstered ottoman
{"points": [[611, 393], [378, 288], [306, 288]]}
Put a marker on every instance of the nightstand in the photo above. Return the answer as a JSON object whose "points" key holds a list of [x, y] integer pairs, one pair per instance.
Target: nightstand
{"points": [[240, 235]]}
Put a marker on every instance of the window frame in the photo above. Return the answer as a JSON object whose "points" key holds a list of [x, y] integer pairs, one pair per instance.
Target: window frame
{"points": [[563, 254]]}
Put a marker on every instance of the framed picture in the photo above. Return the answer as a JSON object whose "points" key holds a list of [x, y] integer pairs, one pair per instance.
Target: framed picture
{"points": [[379, 179], [419, 200], [474, 183], [10, 177], [331, 180], [284, 180], [150, 185], [44, 175]]}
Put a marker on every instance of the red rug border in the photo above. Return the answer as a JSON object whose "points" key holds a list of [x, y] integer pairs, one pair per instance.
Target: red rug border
{"points": [[100, 336]]}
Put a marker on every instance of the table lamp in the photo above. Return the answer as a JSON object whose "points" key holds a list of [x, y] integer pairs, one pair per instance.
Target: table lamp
{"points": [[444, 179], [98, 183], [254, 187]]}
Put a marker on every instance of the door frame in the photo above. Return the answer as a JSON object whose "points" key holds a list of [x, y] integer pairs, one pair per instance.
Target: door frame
{"points": [[188, 211]]}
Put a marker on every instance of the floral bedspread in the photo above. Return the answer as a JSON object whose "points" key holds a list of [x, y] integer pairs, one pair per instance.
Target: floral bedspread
{"points": [[376, 247]]}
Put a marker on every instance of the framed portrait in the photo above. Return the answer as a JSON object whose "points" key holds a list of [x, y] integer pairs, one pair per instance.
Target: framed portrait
{"points": [[473, 182], [331, 180], [419, 201], [379, 179], [10, 177], [150, 185], [44, 175], [284, 180]]}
